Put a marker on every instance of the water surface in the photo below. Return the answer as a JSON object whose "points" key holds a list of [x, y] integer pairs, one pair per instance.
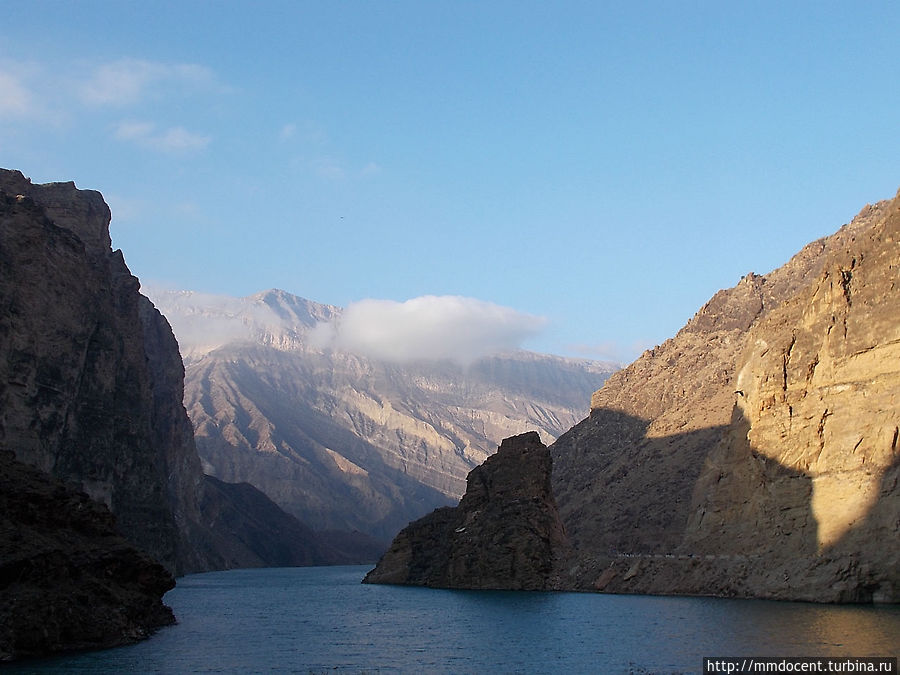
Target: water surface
{"points": [[321, 619]]}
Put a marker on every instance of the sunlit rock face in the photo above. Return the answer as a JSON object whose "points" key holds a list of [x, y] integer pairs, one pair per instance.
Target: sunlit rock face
{"points": [[347, 441], [822, 382], [755, 453], [820, 399]]}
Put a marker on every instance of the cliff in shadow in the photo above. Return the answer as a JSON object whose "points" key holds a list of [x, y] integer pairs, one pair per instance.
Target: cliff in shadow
{"points": [[754, 454], [68, 580], [505, 532], [91, 386]]}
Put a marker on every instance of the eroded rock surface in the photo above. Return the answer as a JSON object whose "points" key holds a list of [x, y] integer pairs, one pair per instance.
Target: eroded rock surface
{"points": [[505, 532], [755, 453]]}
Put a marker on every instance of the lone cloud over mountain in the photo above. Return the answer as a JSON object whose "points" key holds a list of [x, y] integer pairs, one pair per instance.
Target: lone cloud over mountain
{"points": [[369, 417]]}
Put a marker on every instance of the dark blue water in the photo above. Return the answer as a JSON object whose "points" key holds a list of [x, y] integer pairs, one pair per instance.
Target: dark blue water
{"points": [[321, 619]]}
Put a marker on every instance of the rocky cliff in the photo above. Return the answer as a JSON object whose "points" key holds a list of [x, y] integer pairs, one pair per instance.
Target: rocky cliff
{"points": [[76, 393], [68, 580], [505, 532], [91, 387], [348, 442], [754, 454]]}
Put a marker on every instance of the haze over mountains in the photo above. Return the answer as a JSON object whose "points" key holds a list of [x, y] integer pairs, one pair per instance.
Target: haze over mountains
{"points": [[365, 441]]}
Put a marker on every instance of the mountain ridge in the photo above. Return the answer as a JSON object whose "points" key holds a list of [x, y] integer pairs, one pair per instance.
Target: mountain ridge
{"points": [[344, 440]]}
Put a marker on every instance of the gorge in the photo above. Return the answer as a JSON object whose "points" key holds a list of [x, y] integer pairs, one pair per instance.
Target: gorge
{"points": [[755, 453]]}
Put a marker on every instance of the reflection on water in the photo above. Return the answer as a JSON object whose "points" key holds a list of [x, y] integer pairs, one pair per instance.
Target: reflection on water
{"points": [[316, 619]]}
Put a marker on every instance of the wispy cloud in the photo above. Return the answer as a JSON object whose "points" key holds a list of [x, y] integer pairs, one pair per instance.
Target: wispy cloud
{"points": [[171, 140], [288, 131], [128, 81], [371, 169], [611, 350], [124, 209], [427, 328], [15, 99], [330, 168], [306, 132]]}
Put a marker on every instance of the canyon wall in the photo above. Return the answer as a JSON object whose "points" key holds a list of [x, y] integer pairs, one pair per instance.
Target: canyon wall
{"points": [[754, 454], [91, 386]]}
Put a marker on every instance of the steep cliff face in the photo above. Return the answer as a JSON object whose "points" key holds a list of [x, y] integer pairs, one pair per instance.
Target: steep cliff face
{"points": [[755, 453], [348, 442], [818, 412], [75, 390], [505, 532], [67, 579], [91, 388]]}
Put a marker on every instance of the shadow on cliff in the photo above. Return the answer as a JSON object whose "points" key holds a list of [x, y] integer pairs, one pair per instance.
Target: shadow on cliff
{"points": [[871, 548], [704, 512], [621, 491]]}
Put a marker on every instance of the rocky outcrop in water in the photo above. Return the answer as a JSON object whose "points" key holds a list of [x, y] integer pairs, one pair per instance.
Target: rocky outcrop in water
{"points": [[505, 532], [68, 580]]}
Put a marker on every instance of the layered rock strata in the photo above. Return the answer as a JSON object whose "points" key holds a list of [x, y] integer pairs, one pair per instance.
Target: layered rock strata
{"points": [[347, 441], [505, 532], [755, 453]]}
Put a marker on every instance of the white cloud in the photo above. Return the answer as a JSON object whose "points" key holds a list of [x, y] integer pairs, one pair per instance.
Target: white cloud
{"points": [[173, 139], [304, 132], [128, 81], [328, 167], [134, 131], [371, 169], [15, 99], [288, 131], [427, 328]]}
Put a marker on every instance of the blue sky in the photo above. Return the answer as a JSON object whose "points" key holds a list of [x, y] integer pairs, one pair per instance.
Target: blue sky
{"points": [[604, 166]]}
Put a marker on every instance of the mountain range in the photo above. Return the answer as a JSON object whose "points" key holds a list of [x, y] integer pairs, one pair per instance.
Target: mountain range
{"points": [[346, 441]]}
